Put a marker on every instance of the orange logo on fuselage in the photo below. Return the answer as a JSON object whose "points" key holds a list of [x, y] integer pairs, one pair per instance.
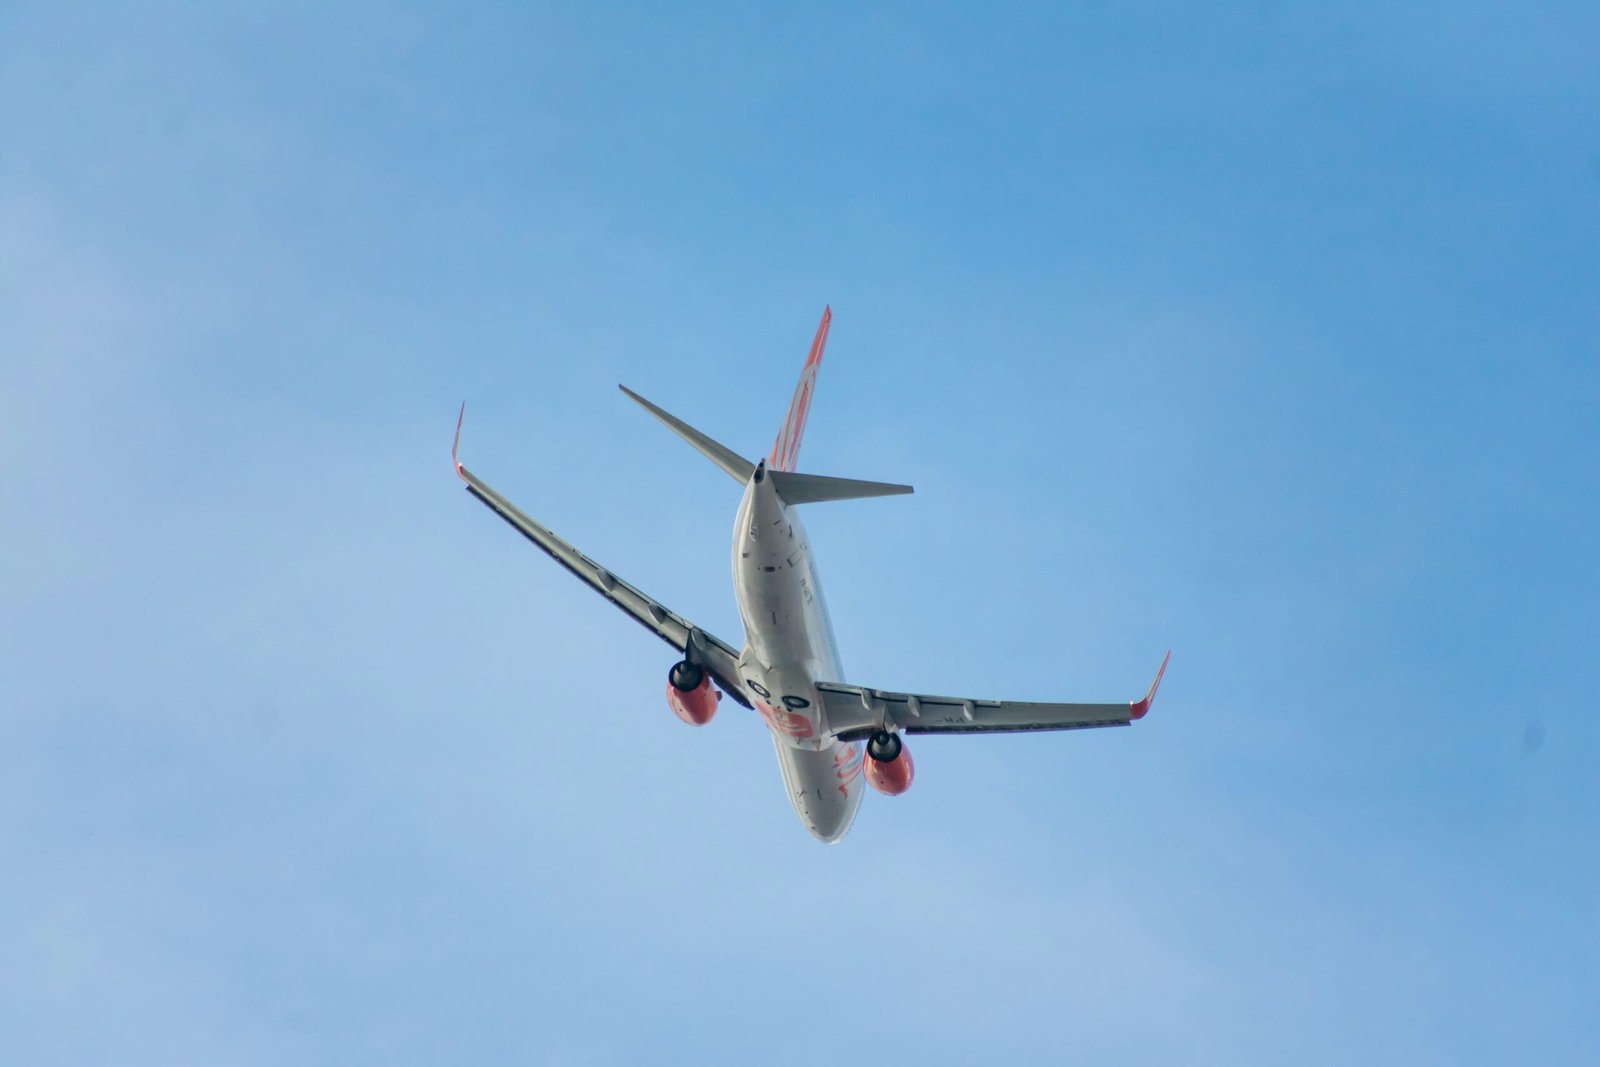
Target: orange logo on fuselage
{"points": [[785, 722], [847, 767]]}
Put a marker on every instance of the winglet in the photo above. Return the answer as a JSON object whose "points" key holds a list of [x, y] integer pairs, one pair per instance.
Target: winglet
{"points": [[1137, 710], [455, 449]]}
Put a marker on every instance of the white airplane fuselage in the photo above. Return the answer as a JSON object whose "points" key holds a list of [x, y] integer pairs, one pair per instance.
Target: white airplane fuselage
{"points": [[833, 740], [789, 646]]}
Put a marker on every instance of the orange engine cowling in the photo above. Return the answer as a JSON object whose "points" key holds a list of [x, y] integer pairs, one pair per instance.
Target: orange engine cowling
{"points": [[890, 777], [696, 705]]}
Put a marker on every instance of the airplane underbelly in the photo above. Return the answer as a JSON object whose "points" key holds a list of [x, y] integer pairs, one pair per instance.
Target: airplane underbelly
{"points": [[777, 608], [789, 647], [775, 585]]}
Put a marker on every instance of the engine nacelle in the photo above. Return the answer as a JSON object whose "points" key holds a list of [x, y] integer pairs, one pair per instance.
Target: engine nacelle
{"points": [[888, 764], [690, 694]]}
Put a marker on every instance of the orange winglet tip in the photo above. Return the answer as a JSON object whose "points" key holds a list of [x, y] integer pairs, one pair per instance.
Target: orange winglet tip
{"points": [[1137, 709], [455, 449]]}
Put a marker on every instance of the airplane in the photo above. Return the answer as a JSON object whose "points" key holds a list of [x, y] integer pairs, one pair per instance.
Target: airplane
{"points": [[829, 735]]}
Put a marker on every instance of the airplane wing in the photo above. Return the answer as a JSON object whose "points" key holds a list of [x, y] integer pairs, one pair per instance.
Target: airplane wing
{"points": [[719, 659], [854, 712]]}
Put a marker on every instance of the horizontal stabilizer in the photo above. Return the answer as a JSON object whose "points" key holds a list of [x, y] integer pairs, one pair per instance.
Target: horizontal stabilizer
{"points": [[737, 467], [814, 488]]}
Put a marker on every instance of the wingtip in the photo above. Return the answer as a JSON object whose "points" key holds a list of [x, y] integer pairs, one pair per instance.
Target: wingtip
{"points": [[455, 448], [1138, 709]]}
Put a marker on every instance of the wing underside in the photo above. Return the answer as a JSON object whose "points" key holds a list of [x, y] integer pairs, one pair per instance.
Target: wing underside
{"points": [[719, 659], [855, 712]]}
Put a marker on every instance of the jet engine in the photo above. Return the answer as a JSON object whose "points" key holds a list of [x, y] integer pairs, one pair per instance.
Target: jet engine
{"points": [[690, 694], [889, 768]]}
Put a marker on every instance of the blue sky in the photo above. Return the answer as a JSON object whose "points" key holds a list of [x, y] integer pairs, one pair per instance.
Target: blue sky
{"points": [[1266, 333]]}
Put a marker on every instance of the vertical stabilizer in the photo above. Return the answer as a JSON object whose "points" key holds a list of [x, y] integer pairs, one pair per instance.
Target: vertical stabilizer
{"points": [[787, 447]]}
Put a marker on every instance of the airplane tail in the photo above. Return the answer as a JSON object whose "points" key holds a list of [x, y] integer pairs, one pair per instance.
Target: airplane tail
{"points": [[779, 466], [786, 449]]}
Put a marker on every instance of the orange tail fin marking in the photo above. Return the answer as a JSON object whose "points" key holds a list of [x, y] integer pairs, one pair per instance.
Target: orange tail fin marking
{"points": [[786, 448]]}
